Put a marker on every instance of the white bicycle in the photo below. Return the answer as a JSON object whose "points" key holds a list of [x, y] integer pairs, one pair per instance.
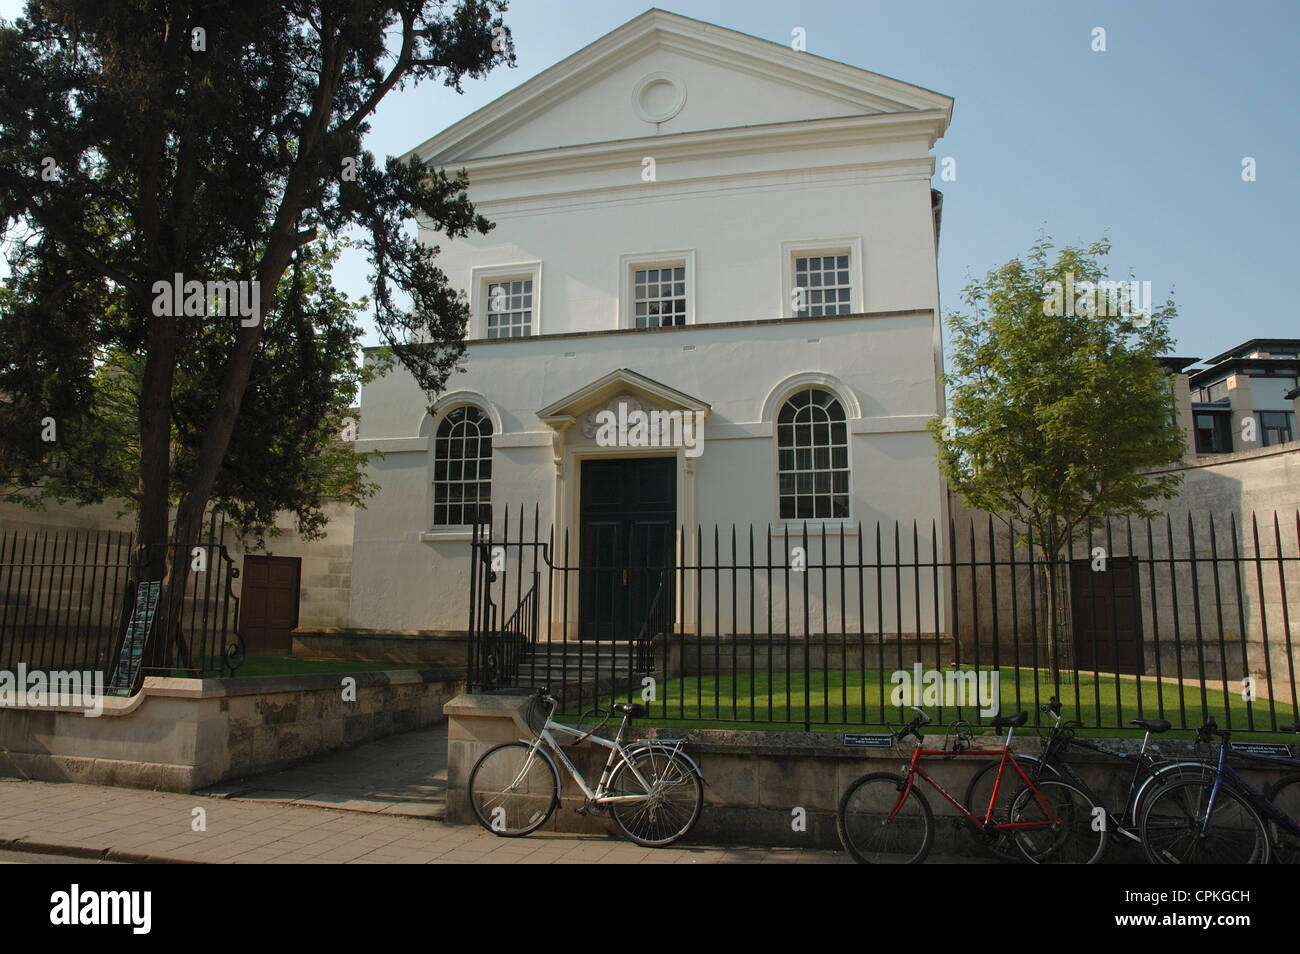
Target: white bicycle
{"points": [[654, 790]]}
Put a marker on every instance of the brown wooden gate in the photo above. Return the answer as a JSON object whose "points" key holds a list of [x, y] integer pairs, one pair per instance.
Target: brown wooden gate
{"points": [[268, 609], [1107, 616]]}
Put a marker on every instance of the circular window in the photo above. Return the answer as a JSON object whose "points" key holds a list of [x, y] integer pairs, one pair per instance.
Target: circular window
{"points": [[658, 97]]}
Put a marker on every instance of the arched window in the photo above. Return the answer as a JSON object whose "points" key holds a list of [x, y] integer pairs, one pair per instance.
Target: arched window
{"points": [[462, 468], [812, 456]]}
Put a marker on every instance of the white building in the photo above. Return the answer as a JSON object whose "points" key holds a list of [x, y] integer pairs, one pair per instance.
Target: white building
{"points": [[687, 219]]}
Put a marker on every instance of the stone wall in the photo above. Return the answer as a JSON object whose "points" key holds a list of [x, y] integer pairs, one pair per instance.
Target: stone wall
{"points": [[181, 734], [418, 647], [326, 575], [755, 781], [325, 583], [1220, 494], [689, 655]]}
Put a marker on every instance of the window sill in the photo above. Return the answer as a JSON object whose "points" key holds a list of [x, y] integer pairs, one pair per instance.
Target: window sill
{"points": [[447, 535], [816, 527]]}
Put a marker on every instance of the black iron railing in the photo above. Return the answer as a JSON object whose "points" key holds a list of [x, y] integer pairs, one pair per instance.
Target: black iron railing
{"points": [[507, 649], [68, 602], [814, 625]]}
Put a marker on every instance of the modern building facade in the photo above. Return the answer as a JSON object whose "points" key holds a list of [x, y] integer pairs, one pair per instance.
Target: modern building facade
{"points": [[1246, 397]]}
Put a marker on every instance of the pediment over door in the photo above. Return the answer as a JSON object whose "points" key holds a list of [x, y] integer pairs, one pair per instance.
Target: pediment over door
{"points": [[579, 409]]}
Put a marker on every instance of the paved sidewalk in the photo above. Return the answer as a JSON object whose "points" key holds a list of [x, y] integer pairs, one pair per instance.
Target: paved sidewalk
{"points": [[404, 774], [122, 824]]}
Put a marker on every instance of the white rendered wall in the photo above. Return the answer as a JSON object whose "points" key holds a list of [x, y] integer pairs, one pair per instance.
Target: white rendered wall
{"points": [[401, 581]]}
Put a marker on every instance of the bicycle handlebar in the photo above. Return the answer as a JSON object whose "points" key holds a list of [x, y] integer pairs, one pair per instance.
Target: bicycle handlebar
{"points": [[912, 728], [1211, 728], [1052, 708]]}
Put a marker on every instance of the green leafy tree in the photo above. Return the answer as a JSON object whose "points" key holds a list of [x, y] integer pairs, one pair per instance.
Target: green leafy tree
{"points": [[214, 140], [1058, 408], [286, 455]]}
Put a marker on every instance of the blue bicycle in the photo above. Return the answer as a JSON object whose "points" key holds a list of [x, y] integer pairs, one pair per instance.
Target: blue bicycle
{"points": [[1222, 818]]}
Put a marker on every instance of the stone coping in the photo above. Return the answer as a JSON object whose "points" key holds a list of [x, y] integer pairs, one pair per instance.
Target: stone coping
{"points": [[412, 634], [830, 744], [185, 688]]}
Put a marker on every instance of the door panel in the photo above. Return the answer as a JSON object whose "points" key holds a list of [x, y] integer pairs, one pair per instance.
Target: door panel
{"points": [[268, 605], [1107, 637], [628, 517]]}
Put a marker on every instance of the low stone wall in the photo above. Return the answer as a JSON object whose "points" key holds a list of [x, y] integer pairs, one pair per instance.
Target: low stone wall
{"points": [[755, 781], [181, 734], [411, 647]]}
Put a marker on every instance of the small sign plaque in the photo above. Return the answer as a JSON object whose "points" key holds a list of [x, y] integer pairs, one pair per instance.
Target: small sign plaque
{"points": [[868, 741], [1278, 749]]}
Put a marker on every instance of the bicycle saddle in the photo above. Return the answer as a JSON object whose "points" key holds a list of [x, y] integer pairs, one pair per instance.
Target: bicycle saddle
{"points": [[1003, 722], [1151, 725], [633, 710]]}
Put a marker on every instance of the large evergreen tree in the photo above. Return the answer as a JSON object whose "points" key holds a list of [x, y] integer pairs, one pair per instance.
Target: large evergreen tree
{"points": [[142, 140]]}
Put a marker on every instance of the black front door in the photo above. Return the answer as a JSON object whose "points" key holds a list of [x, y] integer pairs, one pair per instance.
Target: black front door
{"points": [[628, 518]]}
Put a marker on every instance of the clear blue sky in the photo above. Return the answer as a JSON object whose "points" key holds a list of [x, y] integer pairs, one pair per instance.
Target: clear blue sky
{"points": [[1143, 142]]}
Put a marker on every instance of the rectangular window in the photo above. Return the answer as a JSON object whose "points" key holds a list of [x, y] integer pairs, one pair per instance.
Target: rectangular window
{"points": [[1212, 434], [1276, 427], [510, 308], [821, 286], [659, 296]]}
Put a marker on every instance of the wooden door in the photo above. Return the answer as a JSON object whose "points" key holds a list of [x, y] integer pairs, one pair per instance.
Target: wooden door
{"points": [[1107, 616], [268, 605]]}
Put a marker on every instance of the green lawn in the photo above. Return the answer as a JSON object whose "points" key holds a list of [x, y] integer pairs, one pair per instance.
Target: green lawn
{"points": [[844, 701]]}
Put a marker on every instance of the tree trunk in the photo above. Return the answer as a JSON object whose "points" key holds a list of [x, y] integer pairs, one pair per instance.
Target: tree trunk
{"points": [[216, 438], [283, 241], [155, 410], [1053, 632]]}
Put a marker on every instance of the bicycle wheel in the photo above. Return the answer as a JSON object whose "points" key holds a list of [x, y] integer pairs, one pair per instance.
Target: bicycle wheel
{"points": [[1285, 796], [1075, 836], [513, 789], [676, 794], [1178, 827], [1161, 774], [1001, 844], [875, 829]]}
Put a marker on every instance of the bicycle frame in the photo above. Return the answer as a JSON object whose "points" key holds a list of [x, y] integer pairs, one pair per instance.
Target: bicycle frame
{"points": [[618, 755], [915, 769], [1257, 798], [1054, 755]]}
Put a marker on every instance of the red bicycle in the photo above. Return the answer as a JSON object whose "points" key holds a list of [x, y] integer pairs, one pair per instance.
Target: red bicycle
{"points": [[885, 819]]}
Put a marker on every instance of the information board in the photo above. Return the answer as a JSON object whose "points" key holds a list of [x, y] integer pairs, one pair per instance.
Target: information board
{"points": [[137, 633]]}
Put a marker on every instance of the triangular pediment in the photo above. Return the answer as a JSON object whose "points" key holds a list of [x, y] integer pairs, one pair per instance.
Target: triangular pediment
{"points": [[663, 74], [623, 385]]}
